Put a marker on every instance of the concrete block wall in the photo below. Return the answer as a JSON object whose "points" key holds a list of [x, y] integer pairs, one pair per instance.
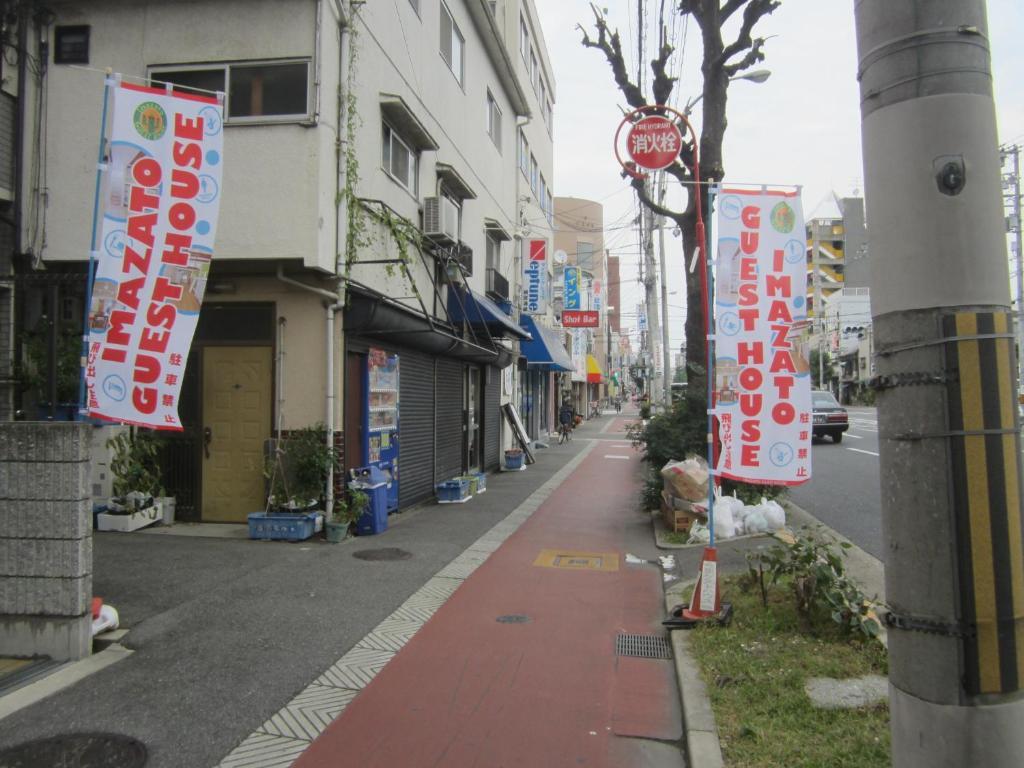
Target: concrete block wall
{"points": [[45, 540]]}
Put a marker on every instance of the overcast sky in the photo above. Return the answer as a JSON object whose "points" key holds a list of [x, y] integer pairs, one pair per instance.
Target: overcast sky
{"points": [[800, 127]]}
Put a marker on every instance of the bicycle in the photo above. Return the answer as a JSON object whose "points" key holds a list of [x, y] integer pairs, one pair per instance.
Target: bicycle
{"points": [[564, 433]]}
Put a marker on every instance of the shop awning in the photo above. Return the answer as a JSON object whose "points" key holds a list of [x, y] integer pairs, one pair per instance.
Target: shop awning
{"points": [[379, 318], [466, 305], [545, 350], [594, 374]]}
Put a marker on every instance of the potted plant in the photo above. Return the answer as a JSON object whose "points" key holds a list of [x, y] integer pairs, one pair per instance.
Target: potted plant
{"points": [[296, 473], [137, 482], [33, 371], [347, 512]]}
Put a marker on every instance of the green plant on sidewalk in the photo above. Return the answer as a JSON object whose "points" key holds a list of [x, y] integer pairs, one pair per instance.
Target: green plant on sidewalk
{"points": [[816, 570]]}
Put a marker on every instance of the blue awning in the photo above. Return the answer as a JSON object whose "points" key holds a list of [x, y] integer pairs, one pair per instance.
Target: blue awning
{"points": [[545, 351], [466, 305]]}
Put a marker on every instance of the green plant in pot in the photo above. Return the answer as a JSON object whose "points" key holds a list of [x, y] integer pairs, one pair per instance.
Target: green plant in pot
{"points": [[347, 511], [297, 470], [134, 464]]}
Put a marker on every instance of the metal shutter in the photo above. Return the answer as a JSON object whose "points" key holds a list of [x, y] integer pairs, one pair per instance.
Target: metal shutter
{"points": [[492, 418], [450, 436], [416, 428]]}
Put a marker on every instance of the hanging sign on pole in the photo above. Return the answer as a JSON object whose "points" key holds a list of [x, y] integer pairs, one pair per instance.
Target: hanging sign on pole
{"points": [[158, 199], [762, 368]]}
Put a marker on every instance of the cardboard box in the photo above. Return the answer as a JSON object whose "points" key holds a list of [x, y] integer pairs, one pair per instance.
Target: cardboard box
{"points": [[680, 514]]}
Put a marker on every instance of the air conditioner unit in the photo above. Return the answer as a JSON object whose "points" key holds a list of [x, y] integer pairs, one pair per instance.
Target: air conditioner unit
{"points": [[440, 220]]}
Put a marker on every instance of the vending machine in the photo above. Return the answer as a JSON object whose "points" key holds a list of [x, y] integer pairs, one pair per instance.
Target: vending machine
{"points": [[382, 419]]}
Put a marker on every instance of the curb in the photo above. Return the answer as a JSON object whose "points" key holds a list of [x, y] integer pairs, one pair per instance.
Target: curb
{"points": [[703, 748]]}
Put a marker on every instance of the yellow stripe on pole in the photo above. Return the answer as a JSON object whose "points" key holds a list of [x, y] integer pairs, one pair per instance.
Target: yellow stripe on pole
{"points": [[1011, 470], [978, 505]]}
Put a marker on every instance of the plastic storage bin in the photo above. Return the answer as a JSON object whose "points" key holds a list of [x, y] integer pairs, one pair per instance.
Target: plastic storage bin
{"points": [[514, 460], [481, 481], [282, 526], [453, 491]]}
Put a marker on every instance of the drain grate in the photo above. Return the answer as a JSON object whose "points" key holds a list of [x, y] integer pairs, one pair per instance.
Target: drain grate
{"points": [[83, 750], [383, 553], [643, 646]]}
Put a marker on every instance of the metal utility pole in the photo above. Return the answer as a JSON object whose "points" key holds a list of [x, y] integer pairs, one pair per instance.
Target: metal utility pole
{"points": [[665, 351], [1015, 227], [949, 442]]}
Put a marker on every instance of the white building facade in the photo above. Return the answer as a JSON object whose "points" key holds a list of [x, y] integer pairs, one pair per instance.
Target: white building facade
{"points": [[368, 253]]}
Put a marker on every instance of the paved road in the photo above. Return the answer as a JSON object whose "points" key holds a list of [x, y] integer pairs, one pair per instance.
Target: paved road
{"points": [[844, 491]]}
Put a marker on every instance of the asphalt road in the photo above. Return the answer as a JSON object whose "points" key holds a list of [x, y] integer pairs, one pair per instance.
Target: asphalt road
{"points": [[843, 491]]}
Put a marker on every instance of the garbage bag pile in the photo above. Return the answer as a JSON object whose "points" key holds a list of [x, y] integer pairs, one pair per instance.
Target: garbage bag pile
{"points": [[685, 486]]}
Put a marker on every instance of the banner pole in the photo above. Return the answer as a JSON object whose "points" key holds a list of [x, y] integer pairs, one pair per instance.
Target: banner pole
{"points": [[710, 330], [100, 169]]}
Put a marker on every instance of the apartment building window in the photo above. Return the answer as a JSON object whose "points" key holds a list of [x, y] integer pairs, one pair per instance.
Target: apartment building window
{"points": [[71, 45], [551, 208], [399, 160], [524, 40], [524, 154], [493, 120], [549, 117], [585, 255], [256, 91], [542, 194], [534, 69], [453, 44], [534, 174], [543, 98], [493, 252]]}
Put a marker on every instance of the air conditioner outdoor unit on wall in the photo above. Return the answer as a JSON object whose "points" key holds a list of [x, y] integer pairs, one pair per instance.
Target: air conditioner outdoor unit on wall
{"points": [[440, 220]]}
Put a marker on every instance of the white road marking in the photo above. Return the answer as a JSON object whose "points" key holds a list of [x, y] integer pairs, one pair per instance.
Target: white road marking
{"points": [[858, 450], [614, 456], [855, 437]]}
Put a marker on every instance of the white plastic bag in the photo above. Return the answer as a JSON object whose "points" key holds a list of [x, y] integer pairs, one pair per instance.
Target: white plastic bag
{"points": [[774, 515], [755, 521], [699, 534]]}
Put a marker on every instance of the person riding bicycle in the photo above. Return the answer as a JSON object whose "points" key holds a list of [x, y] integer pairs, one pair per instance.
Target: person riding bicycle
{"points": [[566, 417]]}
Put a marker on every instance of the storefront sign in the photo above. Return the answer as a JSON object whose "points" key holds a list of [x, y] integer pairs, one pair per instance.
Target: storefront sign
{"points": [[535, 276], [762, 367], [158, 203], [579, 318], [572, 288]]}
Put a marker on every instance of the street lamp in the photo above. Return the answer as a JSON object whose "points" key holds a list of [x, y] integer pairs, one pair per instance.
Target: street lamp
{"points": [[754, 76]]}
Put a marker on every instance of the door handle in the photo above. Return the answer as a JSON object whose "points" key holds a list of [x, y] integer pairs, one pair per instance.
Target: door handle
{"points": [[207, 439]]}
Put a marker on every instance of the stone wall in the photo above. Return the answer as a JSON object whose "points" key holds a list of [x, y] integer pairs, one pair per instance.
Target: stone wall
{"points": [[45, 540]]}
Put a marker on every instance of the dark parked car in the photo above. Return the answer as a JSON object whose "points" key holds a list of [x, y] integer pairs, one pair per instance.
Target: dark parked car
{"points": [[830, 418]]}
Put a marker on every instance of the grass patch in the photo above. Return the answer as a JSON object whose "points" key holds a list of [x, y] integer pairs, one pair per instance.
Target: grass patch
{"points": [[675, 537], [755, 671]]}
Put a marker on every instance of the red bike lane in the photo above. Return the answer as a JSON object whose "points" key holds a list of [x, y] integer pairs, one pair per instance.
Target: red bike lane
{"points": [[544, 690]]}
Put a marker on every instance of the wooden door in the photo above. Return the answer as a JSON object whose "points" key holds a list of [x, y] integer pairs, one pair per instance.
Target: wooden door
{"points": [[237, 396]]}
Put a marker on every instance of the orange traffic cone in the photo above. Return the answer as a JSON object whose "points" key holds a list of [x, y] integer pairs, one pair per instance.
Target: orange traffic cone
{"points": [[706, 601]]}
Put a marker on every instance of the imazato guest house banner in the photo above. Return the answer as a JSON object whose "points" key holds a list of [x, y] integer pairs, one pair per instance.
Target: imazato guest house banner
{"points": [[158, 199], [762, 367]]}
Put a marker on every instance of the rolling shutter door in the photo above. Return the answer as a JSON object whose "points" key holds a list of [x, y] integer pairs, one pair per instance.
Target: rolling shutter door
{"points": [[492, 419], [416, 428], [450, 436]]}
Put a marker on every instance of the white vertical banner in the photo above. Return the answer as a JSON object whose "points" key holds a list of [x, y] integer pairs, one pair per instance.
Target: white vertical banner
{"points": [[762, 368], [158, 200]]}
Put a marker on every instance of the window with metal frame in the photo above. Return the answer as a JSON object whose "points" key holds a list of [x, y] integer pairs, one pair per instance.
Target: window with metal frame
{"points": [[493, 120], [534, 174], [453, 44], [524, 154], [256, 92], [524, 39], [71, 44], [399, 160]]}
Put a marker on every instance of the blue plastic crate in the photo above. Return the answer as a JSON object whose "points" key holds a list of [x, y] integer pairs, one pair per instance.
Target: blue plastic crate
{"points": [[481, 481], [282, 526], [453, 491]]}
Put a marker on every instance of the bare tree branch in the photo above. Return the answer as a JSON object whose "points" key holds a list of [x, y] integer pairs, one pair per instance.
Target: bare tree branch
{"points": [[754, 55], [729, 9], [755, 10], [610, 44]]}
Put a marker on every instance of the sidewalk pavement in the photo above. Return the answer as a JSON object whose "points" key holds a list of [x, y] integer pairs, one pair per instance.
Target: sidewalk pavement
{"points": [[492, 641]]}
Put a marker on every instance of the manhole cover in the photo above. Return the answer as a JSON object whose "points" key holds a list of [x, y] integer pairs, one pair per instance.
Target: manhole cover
{"points": [[383, 553], [513, 618], [82, 750], [643, 646]]}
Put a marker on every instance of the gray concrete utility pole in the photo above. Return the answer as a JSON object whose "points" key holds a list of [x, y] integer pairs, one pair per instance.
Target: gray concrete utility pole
{"points": [[666, 363], [949, 440], [651, 300], [1018, 254]]}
